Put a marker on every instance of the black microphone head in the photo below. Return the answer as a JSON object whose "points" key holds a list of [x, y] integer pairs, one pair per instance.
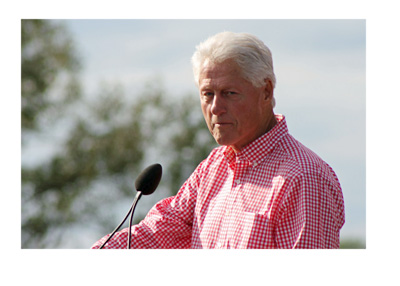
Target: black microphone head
{"points": [[148, 179]]}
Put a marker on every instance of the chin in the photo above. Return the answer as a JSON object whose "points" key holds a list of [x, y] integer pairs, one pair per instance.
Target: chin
{"points": [[223, 142]]}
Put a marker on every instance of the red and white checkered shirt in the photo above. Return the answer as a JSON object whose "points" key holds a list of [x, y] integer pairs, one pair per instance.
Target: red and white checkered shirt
{"points": [[275, 193]]}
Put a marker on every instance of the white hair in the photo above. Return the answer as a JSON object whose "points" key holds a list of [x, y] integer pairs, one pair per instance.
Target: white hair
{"points": [[250, 54]]}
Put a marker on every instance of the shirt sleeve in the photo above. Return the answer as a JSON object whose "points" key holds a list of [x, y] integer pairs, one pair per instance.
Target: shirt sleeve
{"points": [[167, 225], [312, 214]]}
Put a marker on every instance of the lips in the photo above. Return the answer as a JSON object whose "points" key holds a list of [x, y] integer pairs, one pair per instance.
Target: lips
{"points": [[222, 124]]}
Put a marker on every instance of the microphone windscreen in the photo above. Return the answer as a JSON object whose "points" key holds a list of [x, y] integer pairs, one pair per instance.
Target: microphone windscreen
{"points": [[148, 179]]}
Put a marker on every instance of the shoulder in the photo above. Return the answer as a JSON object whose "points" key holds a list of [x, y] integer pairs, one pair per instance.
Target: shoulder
{"points": [[305, 162], [311, 180]]}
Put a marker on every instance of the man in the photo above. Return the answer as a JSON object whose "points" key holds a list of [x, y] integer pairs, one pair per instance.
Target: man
{"points": [[261, 188]]}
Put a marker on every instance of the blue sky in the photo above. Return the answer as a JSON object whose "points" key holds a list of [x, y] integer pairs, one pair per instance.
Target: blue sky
{"points": [[319, 65]]}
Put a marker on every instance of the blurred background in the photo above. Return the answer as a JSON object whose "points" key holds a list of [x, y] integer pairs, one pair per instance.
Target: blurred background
{"points": [[102, 99]]}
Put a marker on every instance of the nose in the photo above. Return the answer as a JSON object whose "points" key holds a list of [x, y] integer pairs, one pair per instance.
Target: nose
{"points": [[218, 106]]}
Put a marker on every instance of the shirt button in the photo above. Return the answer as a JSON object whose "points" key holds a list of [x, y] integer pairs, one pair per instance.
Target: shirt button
{"points": [[255, 164], [237, 182]]}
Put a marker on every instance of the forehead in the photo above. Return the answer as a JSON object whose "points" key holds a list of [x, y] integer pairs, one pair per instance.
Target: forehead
{"points": [[226, 72]]}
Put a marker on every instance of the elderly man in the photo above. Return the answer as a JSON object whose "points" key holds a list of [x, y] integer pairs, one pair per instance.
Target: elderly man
{"points": [[260, 189]]}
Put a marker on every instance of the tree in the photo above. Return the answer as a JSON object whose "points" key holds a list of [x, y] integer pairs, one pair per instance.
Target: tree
{"points": [[104, 150], [107, 141], [47, 53]]}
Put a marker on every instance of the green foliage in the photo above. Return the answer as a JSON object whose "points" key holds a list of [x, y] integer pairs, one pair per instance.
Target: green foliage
{"points": [[352, 244], [106, 140], [104, 147], [46, 53]]}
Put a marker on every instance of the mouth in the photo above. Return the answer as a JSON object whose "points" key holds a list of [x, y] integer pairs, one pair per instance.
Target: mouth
{"points": [[222, 124]]}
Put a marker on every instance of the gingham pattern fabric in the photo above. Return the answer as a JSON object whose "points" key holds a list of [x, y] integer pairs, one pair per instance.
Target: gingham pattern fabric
{"points": [[275, 193]]}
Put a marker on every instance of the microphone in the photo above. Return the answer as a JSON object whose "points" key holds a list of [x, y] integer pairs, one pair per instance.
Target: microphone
{"points": [[149, 179], [145, 184]]}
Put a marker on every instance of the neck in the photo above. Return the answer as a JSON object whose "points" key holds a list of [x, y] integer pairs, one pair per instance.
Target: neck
{"points": [[270, 123]]}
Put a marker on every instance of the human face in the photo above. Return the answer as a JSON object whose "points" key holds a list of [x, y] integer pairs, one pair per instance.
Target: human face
{"points": [[235, 111]]}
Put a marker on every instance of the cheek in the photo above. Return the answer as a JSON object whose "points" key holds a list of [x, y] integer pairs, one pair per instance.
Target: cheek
{"points": [[206, 113], [247, 118]]}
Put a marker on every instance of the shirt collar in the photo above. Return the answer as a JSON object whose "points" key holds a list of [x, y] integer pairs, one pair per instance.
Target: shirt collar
{"points": [[257, 150]]}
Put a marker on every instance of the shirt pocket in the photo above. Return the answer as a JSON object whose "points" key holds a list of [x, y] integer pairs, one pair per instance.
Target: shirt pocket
{"points": [[254, 230]]}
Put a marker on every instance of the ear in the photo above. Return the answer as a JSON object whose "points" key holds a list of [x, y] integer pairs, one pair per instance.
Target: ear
{"points": [[268, 90]]}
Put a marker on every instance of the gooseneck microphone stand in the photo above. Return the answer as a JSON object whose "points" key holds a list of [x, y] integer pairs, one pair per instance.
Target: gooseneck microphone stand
{"points": [[145, 184], [138, 196]]}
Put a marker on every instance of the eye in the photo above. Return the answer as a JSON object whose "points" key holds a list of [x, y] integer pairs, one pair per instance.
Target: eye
{"points": [[229, 92], [207, 95], [232, 95]]}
